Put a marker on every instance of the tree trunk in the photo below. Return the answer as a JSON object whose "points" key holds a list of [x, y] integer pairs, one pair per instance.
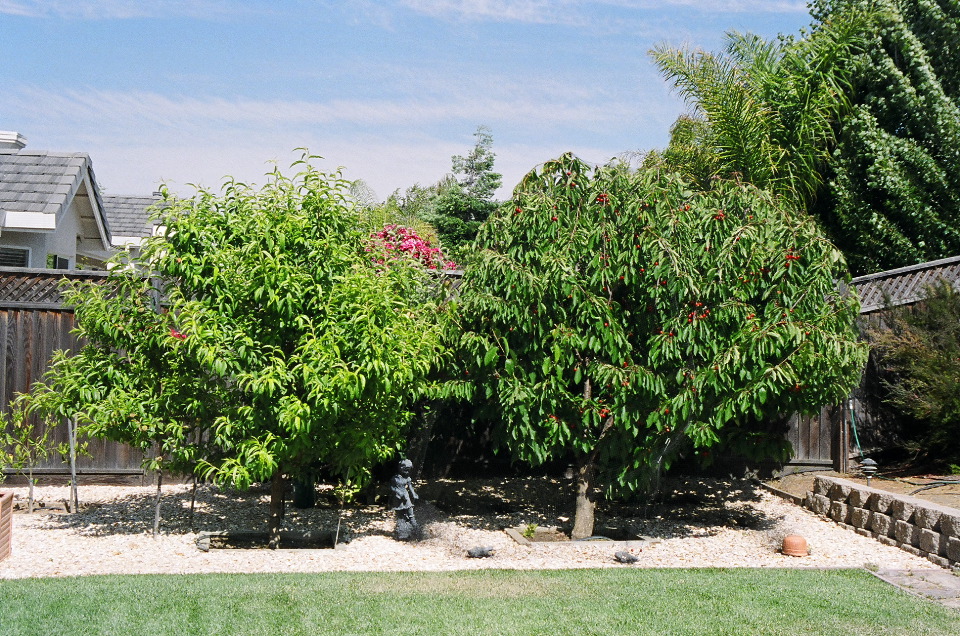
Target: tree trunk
{"points": [[276, 509], [72, 436], [193, 500], [156, 507], [586, 504], [32, 482]]}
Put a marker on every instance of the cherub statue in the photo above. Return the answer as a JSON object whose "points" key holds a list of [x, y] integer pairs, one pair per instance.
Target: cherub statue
{"points": [[402, 499]]}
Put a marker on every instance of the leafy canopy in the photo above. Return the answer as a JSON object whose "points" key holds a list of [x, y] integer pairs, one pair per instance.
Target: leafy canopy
{"points": [[265, 338], [466, 200], [621, 317], [770, 106], [892, 189], [857, 120]]}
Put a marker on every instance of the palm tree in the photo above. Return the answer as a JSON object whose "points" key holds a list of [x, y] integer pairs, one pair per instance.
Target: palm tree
{"points": [[771, 107]]}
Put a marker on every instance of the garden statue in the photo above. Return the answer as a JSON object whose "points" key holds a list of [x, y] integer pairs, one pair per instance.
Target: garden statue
{"points": [[402, 499]]}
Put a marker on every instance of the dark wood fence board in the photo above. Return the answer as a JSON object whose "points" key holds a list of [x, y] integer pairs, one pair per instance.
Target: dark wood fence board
{"points": [[33, 325]]}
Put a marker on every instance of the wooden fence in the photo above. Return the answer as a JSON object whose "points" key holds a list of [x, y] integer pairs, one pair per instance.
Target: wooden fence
{"points": [[829, 440], [33, 324]]}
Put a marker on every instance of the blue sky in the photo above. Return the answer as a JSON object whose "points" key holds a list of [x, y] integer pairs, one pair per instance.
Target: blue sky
{"points": [[187, 91]]}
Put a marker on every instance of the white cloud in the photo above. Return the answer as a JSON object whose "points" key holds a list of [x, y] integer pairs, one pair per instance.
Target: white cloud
{"points": [[118, 9], [384, 164], [139, 139], [584, 12], [547, 106]]}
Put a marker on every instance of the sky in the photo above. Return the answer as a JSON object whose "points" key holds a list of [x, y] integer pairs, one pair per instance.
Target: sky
{"points": [[184, 92]]}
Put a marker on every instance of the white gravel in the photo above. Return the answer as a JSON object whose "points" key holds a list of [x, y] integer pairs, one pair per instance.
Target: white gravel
{"points": [[111, 535]]}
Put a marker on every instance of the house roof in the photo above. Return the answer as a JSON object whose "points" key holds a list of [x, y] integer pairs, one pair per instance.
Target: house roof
{"points": [[36, 186], [129, 217]]}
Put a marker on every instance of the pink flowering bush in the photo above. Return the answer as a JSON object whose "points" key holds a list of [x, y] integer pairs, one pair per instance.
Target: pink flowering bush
{"points": [[394, 241]]}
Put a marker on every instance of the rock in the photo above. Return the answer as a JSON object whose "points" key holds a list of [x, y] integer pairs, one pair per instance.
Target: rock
{"points": [[479, 552], [881, 524], [928, 517], [881, 502], [623, 556], [903, 509], [859, 497]]}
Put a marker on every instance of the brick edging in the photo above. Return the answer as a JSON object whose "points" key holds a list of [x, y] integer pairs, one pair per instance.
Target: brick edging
{"points": [[914, 525]]}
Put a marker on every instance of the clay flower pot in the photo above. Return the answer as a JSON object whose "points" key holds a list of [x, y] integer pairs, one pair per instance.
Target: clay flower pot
{"points": [[795, 545]]}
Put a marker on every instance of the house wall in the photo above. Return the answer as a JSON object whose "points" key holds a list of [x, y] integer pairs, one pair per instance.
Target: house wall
{"points": [[63, 240], [34, 241]]}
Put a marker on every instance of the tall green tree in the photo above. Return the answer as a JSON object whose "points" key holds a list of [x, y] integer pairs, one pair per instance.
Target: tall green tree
{"points": [[466, 200], [623, 318], [892, 191], [770, 106], [857, 120], [280, 343]]}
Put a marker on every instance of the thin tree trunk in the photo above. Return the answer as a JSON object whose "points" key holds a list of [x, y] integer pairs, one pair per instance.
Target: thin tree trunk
{"points": [[72, 436], [156, 507], [30, 498], [586, 505], [586, 473], [193, 500], [276, 509]]}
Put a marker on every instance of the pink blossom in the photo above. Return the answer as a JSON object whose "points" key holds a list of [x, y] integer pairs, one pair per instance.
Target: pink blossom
{"points": [[395, 241]]}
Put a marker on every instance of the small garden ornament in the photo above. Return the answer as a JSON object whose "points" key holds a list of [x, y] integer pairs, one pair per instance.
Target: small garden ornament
{"points": [[402, 499]]}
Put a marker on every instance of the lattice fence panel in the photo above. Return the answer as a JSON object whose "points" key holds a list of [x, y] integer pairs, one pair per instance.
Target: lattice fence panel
{"points": [[19, 286], [904, 286]]}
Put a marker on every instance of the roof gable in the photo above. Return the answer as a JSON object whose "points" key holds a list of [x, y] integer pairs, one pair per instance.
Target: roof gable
{"points": [[40, 182], [36, 187]]}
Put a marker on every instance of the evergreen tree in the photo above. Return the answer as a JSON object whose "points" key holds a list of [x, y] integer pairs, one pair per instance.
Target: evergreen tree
{"points": [[892, 191], [466, 200]]}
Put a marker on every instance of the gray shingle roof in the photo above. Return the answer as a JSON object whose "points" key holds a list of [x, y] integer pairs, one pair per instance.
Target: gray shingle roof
{"points": [[40, 181], [129, 216]]}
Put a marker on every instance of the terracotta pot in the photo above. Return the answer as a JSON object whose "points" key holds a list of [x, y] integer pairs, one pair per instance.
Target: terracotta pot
{"points": [[795, 545]]}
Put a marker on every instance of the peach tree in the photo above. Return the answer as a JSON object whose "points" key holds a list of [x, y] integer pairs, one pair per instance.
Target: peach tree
{"points": [[621, 318], [255, 338]]}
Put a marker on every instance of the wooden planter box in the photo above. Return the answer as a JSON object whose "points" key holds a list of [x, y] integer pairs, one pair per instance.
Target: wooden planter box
{"points": [[6, 524]]}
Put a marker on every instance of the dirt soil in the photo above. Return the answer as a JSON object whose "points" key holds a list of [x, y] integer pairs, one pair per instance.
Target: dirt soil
{"points": [[915, 486]]}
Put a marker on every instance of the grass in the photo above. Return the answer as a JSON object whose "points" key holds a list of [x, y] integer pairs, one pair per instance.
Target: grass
{"points": [[582, 602]]}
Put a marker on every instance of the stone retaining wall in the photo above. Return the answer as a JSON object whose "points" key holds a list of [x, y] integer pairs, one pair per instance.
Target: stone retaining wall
{"points": [[917, 526]]}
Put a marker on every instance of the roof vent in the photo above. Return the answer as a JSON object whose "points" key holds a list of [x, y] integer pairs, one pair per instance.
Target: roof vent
{"points": [[11, 140]]}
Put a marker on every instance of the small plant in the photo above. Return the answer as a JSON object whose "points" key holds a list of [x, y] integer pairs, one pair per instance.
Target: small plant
{"points": [[345, 493], [530, 530], [27, 445]]}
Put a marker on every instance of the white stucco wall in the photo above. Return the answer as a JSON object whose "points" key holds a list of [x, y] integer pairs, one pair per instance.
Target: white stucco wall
{"points": [[36, 243]]}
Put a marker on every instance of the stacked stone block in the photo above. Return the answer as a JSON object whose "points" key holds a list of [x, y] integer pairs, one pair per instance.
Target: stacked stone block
{"points": [[914, 525]]}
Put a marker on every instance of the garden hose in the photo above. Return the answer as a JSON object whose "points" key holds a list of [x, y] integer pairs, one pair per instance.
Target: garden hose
{"points": [[935, 484], [853, 425]]}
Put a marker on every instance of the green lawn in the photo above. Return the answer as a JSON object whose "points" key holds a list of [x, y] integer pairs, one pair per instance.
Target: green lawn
{"points": [[621, 601]]}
